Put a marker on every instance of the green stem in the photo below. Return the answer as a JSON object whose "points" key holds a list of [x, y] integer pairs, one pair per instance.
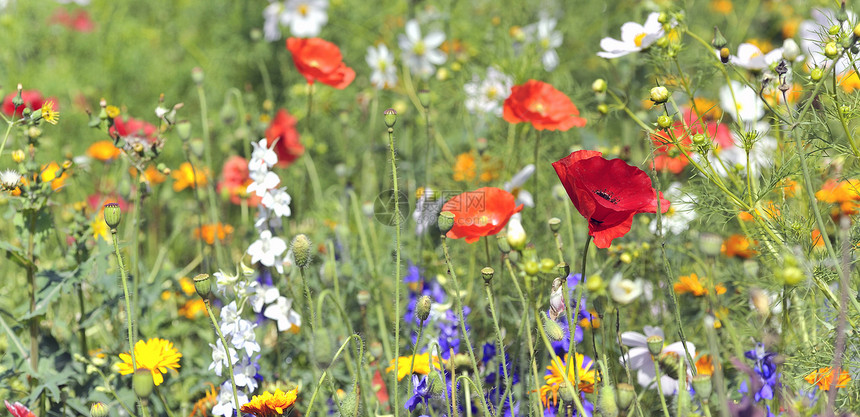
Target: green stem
{"points": [[490, 298], [227, 351], [10, 123], [128, 311], [415, 349], [397, 279], [325, 372], [526, 309], [571, 325], [571, 356], [207, 138], [164, 402], [660, 387], [537, 170]]}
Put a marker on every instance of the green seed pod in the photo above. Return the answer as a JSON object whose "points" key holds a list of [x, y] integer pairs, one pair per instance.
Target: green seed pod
{"points": [[445, 222], [552, 328], [554, 224], [422, 307], [424, 98], [719, 40], [203, 285], [702, 385], [99, 409], [655, 344], [487, 274], [502, 241], [112, 214], [390, 117], [301, 250], [183, 129], [142, 382], [625, 396], [350, 405], [532, 268]]}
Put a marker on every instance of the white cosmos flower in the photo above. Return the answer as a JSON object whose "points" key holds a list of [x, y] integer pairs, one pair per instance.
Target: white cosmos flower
{"points": [[634, 38], [681, 212], [272, 21], [381, 61], [278, 201], [486, 96], [305, 18], [514, 186], [543, 33], [745, 106], [266, 249], [623, 290], [751, 57], [640, 358], [282, 312], [421, 54]]}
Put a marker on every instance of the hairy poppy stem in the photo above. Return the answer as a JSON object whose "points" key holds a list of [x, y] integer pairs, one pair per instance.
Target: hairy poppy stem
{"points": [[396, 267]]}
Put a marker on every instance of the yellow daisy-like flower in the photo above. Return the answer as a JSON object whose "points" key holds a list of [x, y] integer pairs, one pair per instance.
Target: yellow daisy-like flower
{"points": [[112, 111], [49, 114], [554, 378], [188, 176], [156, 355], [421, 366], [270, 405]]}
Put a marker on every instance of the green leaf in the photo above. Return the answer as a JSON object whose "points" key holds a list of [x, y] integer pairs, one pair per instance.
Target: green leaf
{"points": [[58, 283], [16, 255]]}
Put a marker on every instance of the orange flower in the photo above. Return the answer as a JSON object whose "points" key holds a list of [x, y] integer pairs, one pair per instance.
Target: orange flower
{"points": [[690, 284], [722, 6], [824, 378], [193, 308], [790, 187], [555, 377], [320, 60], [846, 193], [185, 176], [49, 174], [479, 213], [705, 365], [103, 150], [271, 405], [817, 241], [152, 175], [208, 231], [738, 245], [543, 106], [849, 82], [465, 168]]}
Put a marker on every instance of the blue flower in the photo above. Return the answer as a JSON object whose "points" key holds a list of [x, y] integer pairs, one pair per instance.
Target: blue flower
{"points": [[766, 371], [420, 393]]}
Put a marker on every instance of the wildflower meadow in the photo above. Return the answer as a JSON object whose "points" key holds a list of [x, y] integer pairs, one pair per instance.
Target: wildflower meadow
{"points": [[429, 208]]}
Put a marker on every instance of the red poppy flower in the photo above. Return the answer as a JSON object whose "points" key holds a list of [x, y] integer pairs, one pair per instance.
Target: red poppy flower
{"points": [[483, 212], [283, 129], [320, 60], [235, 178], [541, 105], [18, 409], [133, 128], [607, 193], [80, 22], [33, 100]]}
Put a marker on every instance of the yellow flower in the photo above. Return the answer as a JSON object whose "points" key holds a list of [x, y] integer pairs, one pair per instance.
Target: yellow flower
{"points": [[187, 286], [112, 111], [49, 114], [270, 405], [690, 284], [101, 230], [156, 355], [587, 377], [185, 177], [421, 366], [49, 174]]}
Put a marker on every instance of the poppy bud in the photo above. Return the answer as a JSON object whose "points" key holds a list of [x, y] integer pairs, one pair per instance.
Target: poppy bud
{"points": [[487, 274], [112, 214], [445, 222], [301, 250], [322, 348], [565, 393], [664, 122], [842, 14], [830, 50], [502, 241], [532, 268], [183, 129], [655, 344], [142, 382], [363, 297], [719, 40], [626, 393], [228, 113], [553, 330], [816, 74], [203, 285], [422, 307], [424, 98], [702, 386], [659, 94], [197, 75], [724, 55], [607, 403], [350, 405], [599, 85], [390, 117], [436, 383], [99, 409]]}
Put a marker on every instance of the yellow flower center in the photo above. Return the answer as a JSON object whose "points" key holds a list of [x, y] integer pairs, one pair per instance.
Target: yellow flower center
{"points": [[538, 108], [638, 39], [303, 9], [492, 93], [419, 48]]}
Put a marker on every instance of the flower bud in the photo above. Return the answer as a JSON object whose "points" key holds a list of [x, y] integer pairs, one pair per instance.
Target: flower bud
{"points": [[183, 129], [599, 85], [390, 117], [719, 40], [547, 265], [724, 55], [350, 404], [625, 396], [423, 98], [565, 393], [602, 109], [445, 222], [831, 50], [203, 285], [552, 328], [516, 235], [710, 244], [816, 74], [607, 404], [793, 275], [703, 387], [563, 269], [659, 94], [112, 215], [363, 297], [436, 383], [142, 382], [655, 344], [487, 274], [18, 156], [197, 75], [99, 409], [842, 14], [532, 267], [664, 122], [856, 32], [301, 246], [228, 113], [422, 307], [502, 242]]}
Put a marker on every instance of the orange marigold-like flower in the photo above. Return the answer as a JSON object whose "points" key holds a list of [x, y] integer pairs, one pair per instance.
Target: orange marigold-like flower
{"points": [[824, 378], [271, 405], [705, 365], [193, 308], [845, 193], [554, 377], [738, 245], [691, 284], [208, 232], [103, 150]]}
